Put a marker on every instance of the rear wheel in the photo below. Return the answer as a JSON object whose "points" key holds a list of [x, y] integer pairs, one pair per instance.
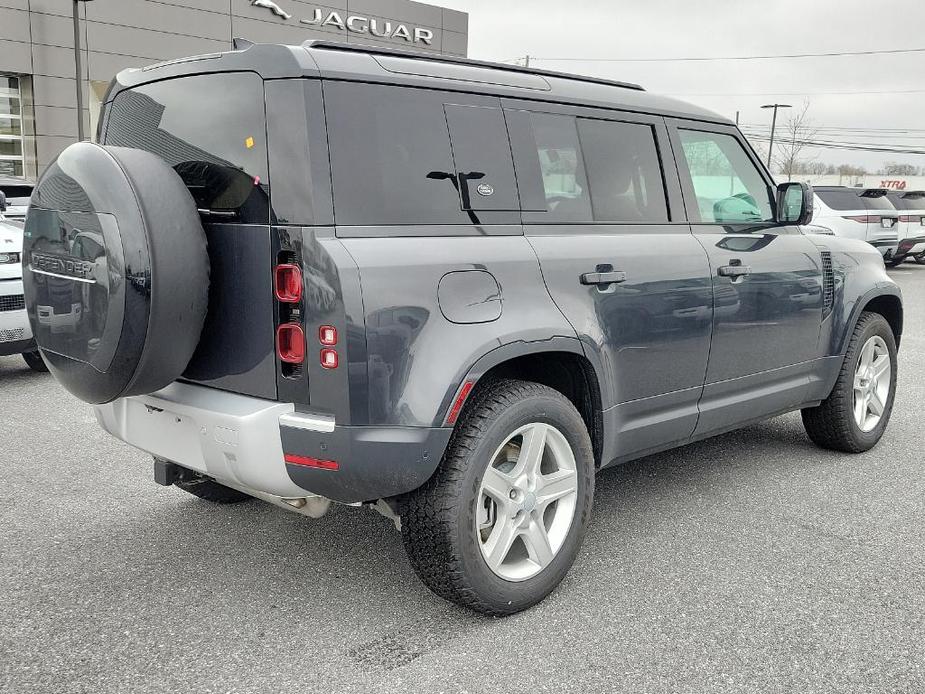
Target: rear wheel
{"points": [[34, 361], [499, 524], [919, 258], [854, 416], [894, 262]]}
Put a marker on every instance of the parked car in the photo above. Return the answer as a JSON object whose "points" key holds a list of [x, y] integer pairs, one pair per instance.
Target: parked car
{"points": [[449, 290], [911, 208], [16, 192], [15, 331], [859, 213]]}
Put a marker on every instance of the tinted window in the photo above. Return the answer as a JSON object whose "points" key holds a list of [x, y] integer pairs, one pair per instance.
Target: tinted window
{"points": [[562, 168], [211, 129], [728, 186], [624, 173], [852, 199], [482, 155], [391, 160], [908, 201]]}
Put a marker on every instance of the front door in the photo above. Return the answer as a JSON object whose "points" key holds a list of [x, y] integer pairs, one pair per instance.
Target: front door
{"points": [[606, 220], [767, 280]]}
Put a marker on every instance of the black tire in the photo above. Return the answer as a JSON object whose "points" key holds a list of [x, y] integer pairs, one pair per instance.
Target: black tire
{"points": [[439, 519], [141, 278], [210, 490], [832, 424], [895, 262], [35, 362], [919, 259]]}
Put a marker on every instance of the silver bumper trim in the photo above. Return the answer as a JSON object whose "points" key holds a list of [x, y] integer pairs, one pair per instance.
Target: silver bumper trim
{"points": [[308, 422]]}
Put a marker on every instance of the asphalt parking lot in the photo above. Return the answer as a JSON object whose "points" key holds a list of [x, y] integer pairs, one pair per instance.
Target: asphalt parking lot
{"points": [[752, 562]]}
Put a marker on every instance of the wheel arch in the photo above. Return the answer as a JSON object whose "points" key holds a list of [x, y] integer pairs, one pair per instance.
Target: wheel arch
{"points": [[888, 303], [559, 363]]}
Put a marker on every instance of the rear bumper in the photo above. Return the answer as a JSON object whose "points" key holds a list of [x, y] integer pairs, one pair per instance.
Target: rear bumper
{"points": [[243, 442], [911, 246]]}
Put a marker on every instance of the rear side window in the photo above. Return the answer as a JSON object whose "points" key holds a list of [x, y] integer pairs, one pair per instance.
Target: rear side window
{"points": [[623, 171], [402, 156], [908, 201], [212, 130], [562, 168]]}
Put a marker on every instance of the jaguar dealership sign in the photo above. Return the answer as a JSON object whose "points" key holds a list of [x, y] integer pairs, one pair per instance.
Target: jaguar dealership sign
{"points": [[358, 24]]}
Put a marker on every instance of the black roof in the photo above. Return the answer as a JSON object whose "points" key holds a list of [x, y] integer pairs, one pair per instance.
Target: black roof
{"points": [[355, 62]]}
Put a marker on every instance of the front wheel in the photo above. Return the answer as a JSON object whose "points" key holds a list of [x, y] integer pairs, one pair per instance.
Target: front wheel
{"points": [[854, 416], [500, 523], [34, 361]]}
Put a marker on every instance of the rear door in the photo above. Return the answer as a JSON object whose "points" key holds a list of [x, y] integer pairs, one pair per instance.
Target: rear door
{"points": [[605, 217], [212, 130], [767, 280]]}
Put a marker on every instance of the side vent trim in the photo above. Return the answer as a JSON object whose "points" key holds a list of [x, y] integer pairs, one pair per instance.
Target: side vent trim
{"points": [[828, 284]]}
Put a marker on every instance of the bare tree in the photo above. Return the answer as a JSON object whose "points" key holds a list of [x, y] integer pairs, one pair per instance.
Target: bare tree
{"points": [[894, 169], [797, 132]]}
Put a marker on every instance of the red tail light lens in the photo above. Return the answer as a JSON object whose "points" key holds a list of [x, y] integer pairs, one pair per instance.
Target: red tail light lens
{"points": [[906, 218], [327, 335], [306, 461], [288, 283], [329, 358], [290, 343], [864, 218]]}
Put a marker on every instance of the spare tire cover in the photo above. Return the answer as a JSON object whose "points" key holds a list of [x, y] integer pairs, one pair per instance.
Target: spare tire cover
{"points": [[115, 270]]}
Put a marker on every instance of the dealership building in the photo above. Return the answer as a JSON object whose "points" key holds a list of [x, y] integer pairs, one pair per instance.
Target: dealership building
{"points": [[38, 60]]}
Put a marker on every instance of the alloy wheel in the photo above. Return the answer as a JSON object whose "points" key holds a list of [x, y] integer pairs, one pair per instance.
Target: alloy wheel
{"points": [[526, 502], [872, 381]]}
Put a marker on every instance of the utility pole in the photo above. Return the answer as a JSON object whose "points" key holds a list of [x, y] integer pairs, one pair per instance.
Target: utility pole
{"points": [[773, 126], [527, 61]]}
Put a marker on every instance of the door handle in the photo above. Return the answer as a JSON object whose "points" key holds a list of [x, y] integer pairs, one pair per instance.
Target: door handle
{"points": [[612, 277], [733, 270]]}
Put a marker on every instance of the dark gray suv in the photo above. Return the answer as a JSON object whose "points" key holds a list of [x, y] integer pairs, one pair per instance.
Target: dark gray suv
{"points": [[447, 289]]}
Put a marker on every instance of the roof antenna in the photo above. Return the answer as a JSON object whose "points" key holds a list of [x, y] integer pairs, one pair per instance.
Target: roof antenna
{"points": [[239, 44]]}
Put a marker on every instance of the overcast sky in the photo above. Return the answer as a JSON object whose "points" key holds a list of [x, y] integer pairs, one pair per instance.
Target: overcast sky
{"points": [[679, 28]]}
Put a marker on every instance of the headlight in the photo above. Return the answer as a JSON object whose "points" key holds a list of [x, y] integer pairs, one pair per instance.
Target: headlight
{"points": [[9, 258]]}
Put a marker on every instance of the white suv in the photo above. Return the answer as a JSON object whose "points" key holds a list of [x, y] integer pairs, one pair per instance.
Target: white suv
{"points": [[859, 213], [15, 332], [911, 208]]}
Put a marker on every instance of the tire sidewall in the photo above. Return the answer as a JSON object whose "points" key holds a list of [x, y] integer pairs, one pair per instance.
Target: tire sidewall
{"points": [[515, 595], [875, 326]]}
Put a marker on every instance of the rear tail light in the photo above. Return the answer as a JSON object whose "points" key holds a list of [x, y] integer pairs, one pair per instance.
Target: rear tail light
{"points": [[907, 218], [306, 461], [864, 218], [327, 335], [288, 283], [329, 358], [290, 343]]}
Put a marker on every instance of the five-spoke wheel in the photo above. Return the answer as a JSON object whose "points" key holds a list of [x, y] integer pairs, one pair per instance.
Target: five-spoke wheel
{"points": [[526, 501]]}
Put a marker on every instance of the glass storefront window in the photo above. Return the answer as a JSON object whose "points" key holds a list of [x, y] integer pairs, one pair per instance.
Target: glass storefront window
{"points": [[11, 140]]}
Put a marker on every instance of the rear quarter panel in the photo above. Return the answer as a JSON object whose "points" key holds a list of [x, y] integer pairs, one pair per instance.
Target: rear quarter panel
{"points": [[416, 356]]}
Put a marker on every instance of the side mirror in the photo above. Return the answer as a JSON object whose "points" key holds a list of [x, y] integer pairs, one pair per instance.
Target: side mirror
{"points": [[794, 203]]}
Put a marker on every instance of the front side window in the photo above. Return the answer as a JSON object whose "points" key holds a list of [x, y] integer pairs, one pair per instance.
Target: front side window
{"points": [[728, 186], [212, 130], [623, 171], [11, 137]]}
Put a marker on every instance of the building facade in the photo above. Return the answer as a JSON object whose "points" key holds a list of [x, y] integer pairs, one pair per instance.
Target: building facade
{"points": [[38, 85]]}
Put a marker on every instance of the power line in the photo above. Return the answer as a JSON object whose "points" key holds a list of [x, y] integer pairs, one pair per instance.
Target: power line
{"points": [[807, 93], [779, 56], [862, 147]]}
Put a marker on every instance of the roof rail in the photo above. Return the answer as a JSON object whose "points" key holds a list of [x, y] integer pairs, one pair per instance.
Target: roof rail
{"points": [[420, 55]]}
